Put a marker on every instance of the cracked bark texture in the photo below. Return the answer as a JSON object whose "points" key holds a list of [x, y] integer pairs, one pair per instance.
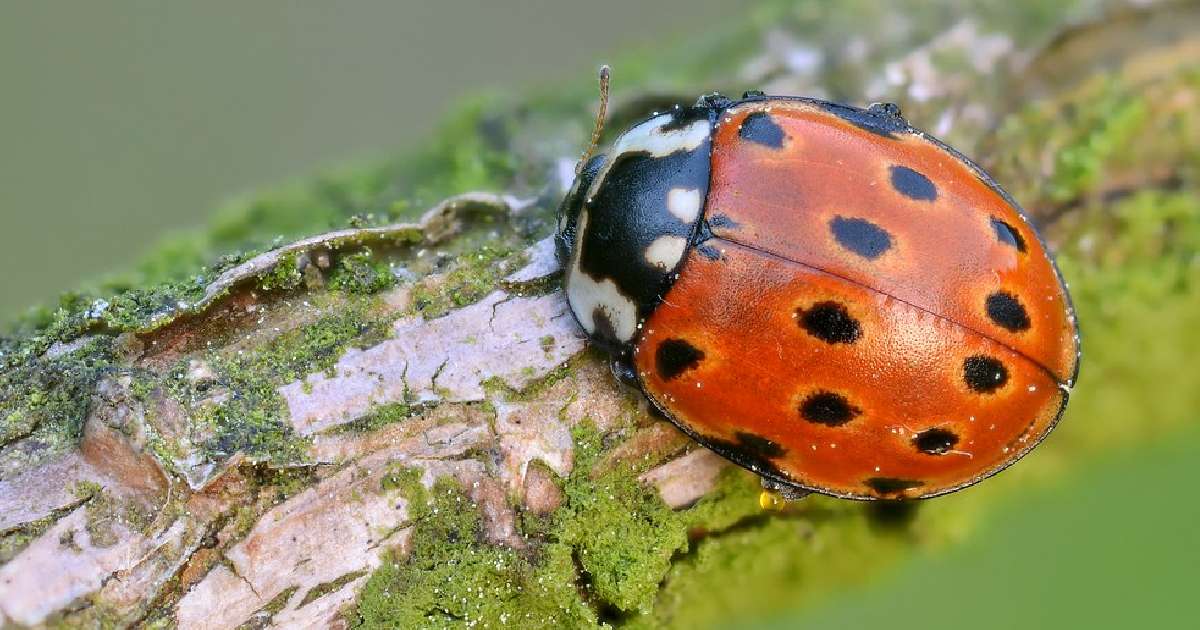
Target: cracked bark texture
{"points": [[199, 494]]}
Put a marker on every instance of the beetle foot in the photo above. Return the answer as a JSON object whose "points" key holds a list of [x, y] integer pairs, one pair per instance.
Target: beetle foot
{"points": [[622, 368], [784, 491]]}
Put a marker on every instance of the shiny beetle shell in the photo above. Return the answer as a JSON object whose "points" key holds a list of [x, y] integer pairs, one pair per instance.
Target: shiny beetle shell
{"points": [[822, 294]]}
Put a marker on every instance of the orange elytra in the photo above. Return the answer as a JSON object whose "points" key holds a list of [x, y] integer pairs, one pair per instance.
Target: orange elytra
{"points": [[822, 294]]}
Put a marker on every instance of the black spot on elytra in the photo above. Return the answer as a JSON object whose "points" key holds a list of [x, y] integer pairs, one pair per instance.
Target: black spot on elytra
{"points": [[674, 357], [861, 236], [830, 322], [751, 451], [828, 408], [912, 184], [759, 445], [1007, 312], [1008, 234], [891, 485], [760, 128], [935, 441], [708, 251], [984, 374]]}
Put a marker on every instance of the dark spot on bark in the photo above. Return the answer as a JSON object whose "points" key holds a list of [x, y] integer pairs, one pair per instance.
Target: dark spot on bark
{"points": [[674, 357], [830, 322], [760, 128], [912, 184], [984, 374], [891, 485], [1008, 234], [935, 441], [828, 408], [1007, 312], [861, 236]]}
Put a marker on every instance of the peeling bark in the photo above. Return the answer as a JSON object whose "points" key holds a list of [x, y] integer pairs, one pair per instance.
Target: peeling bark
{"points": [[342, 524]]}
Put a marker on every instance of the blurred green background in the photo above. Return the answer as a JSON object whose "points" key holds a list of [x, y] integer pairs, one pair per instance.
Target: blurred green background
{"points": [[1114, 544], [122, 121], [119, 125]]}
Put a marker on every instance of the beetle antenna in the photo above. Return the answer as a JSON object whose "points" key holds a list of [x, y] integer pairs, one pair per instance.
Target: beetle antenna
{"points": [[599, 128]]}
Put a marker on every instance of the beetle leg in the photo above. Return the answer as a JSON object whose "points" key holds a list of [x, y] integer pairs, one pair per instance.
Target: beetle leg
{"points": [[784, 491], [622, 368]]}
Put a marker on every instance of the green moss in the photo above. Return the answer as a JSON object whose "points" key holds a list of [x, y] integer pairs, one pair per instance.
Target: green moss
{"points": [[734, 499], [497, 387], [94, 615], [44, 400], [408, 481], [285, 275], [453, 579], [331, 586], [1135, 279], [360, 273], [1080, 165], [262, 617], [602, 554], [379, 416], [251, 419], [283, 483], [622, 534], [138, 308], [244, 519], [1090, 141], [14, 541], [102, 513], [475, 275]]}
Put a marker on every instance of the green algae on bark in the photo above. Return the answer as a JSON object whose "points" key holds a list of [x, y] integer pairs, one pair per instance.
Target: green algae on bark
{"points": [[452, 577]]}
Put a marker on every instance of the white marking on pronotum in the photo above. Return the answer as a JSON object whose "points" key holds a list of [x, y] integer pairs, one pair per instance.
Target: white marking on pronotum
{"points": [[585, 295], [666, 251], [684, 203], [649, 137]]}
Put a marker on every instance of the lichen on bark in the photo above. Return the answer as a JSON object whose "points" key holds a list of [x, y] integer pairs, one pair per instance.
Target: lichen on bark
{"points": [[363, 402]]}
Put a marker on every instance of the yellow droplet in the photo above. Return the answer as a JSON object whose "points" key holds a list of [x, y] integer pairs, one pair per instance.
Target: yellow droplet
{"points": [[771, 501]]}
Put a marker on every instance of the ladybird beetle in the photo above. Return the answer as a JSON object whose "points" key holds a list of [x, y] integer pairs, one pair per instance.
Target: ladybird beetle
{"points": [[822, 294]]}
